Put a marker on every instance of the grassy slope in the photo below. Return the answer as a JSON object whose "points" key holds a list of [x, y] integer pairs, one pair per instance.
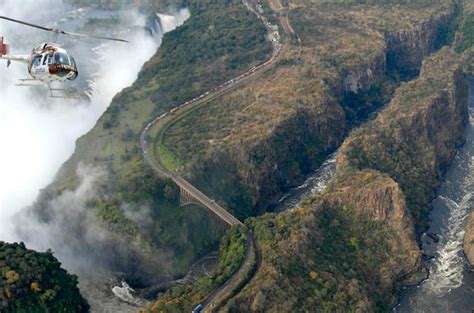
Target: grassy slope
{"points": [[184, 66]]}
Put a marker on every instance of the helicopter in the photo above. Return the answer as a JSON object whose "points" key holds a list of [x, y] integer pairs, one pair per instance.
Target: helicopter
{"points": [[47, 62]]}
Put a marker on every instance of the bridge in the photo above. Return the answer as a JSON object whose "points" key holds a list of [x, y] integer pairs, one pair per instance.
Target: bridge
{"points": [[188, 193]]}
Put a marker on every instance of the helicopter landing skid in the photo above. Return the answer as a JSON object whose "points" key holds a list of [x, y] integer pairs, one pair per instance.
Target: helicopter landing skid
{"points": [[26, 82], [62, 93]]}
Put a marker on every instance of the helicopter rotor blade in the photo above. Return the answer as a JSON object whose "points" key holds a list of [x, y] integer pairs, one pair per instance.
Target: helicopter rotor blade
{"points": [[58, 31], [27, 24], [92, 36]]}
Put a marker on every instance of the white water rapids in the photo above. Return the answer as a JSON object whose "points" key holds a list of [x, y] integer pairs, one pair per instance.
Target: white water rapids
{"points": [[450, 285], [311, 186]]}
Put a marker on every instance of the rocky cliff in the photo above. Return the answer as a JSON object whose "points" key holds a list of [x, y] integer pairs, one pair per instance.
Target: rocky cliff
{"points": [[254, 143], [468, 61], [469, 239], [379, 198], [415, 138], [353, 246]]}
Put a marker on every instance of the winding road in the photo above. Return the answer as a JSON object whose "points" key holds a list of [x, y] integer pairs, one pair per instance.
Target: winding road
{"points": [[236, 281], [172, 115]]}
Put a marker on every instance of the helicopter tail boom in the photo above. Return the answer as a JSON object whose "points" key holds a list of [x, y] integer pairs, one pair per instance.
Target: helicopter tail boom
{"points": [[3, 47], [4, 54]]}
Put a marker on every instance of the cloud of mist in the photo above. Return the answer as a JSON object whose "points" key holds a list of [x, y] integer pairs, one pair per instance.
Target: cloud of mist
{"points": [[69, 226], [38, 133], [64, 223]]}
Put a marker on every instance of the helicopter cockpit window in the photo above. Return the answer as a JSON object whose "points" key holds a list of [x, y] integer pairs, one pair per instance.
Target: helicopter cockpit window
{"points": [[73, 62], [61, 58], [36, 60], [48, 59]]}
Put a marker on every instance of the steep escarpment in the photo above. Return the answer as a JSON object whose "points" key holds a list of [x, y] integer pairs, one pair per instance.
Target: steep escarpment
{"points": [[346, 250], [130, 220], [468, 61], [416, 137], [464, 36], [247, 147], [407, 49], [35, 282], [353, 246]]}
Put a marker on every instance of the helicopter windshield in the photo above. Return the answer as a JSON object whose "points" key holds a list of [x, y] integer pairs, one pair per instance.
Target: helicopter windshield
{"points": [[73, 62], [61, 58]]}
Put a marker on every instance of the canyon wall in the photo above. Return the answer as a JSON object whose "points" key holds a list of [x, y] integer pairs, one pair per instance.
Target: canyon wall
{"points": [[353, 246]]}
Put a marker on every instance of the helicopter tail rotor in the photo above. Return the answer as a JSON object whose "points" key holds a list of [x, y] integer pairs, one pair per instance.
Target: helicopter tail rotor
{"points": [[57, 32]]}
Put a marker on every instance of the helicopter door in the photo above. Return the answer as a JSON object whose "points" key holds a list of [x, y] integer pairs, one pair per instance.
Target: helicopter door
{"points": [[39, 67], [36, 61]]}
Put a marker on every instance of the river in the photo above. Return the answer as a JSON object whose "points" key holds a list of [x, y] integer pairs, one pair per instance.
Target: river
{"points": [[315, 182], [450, 286]]}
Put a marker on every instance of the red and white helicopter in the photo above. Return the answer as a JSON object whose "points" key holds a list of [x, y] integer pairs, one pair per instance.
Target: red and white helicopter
{"points": [[48, 62]]}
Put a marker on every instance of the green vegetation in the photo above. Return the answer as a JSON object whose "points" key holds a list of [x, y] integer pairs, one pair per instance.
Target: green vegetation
{"points": [[221, 39], [33, 282], [465, 27], [358, 106], [416, 4], [233, 248], [187, 232], [114, 217], [468, 61], [333, 266], [167, 158]]}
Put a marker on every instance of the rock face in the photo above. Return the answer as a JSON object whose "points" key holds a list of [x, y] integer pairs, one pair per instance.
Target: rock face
{"points": [[379, 198], [337, 80], [415, 138], [349, 249], [356, 240], [407, 49], [469, 239], [468, 61]]}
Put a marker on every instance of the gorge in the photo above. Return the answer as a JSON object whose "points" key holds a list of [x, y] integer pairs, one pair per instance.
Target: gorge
{"points": [[367, 99]]}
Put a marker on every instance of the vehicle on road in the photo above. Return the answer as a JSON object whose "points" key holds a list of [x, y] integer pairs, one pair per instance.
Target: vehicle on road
{"points": [[197, 309]]}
